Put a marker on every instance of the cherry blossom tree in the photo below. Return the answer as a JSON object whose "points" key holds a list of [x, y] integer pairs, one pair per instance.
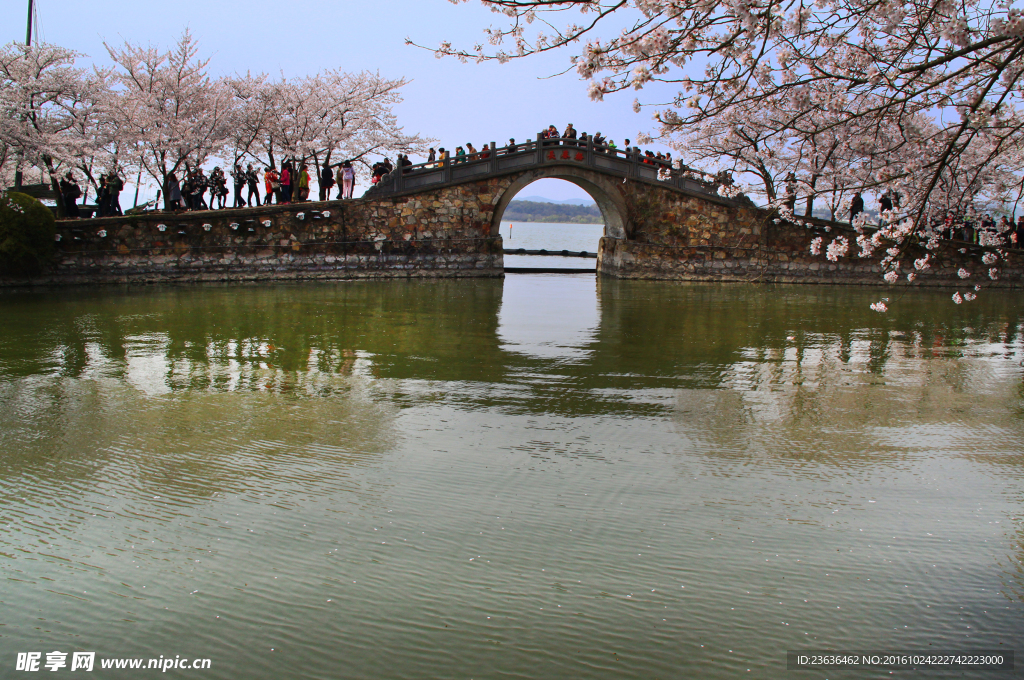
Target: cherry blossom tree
{"points": [[907, 58], [255, 113], [361, 119], [45, 103], [170, 112], [161, 112], [743, 141], [327, 115]]}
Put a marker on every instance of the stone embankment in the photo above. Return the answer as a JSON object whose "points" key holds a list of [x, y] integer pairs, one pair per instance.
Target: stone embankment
{"points": [[441, 235], [686, 238]]}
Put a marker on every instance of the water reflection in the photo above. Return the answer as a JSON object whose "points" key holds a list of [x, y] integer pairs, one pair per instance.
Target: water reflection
{"points": [[547, 321], [730, 365], [548, 476], [637, 333]]}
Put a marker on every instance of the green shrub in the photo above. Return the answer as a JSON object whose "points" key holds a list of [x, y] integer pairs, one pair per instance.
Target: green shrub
{"points": [[27, 233]]}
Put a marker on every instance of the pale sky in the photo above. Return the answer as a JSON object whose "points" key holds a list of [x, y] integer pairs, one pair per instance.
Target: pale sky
{"points": [[452, 102]]}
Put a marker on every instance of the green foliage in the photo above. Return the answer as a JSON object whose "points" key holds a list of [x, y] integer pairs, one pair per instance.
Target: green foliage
{"points": [[27, 231]]}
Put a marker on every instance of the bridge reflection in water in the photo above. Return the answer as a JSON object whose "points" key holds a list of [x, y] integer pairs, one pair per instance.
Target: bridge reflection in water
{"points": [[303, 339]]}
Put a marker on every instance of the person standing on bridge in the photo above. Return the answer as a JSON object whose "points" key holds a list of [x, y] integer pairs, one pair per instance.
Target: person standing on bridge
{"points": [[187, 188], [102, 197], [303, 183], [884, 205], [70, 192], [172, 191], [218, 188], [326, 182], [570, 135], [856, 206], [791, 192], [238, 176], [200, 182], [348, 178], [275, 184], [268, 186], [251, 179], [114, 186], [286, 182]]}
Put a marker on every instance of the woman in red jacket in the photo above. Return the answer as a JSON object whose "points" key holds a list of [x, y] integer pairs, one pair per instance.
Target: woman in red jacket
{"points": [[286, 182]]}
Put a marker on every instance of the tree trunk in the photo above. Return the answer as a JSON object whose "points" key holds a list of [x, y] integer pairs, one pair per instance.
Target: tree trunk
{"points": [[62, 210], [319, 182], [270, 155], [165, 183], [769, 183], [810, 196]]}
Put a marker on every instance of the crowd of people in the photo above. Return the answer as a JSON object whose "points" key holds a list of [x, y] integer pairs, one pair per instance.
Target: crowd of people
{"points": [[550, 138], [292, 183], [289, 185], [196, 190], [108, 199], [978, 229], [570, 138]]}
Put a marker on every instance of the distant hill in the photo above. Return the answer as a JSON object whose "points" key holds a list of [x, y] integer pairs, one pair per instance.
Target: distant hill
{"points": [[564, 201], [566, 213]]}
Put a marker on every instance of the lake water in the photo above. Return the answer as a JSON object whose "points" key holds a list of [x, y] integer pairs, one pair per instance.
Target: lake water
{"points": [[537, 477], [553, 237]]}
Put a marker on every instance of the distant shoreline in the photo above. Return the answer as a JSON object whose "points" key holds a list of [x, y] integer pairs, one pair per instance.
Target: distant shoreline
{"points": [[565, 213], [506, 218]]}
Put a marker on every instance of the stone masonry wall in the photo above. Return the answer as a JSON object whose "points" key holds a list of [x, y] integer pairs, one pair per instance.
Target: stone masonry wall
{"points": [[443, 233], [692, 239]]}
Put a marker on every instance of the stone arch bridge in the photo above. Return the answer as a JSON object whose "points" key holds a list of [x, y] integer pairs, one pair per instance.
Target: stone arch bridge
{"points": [[686, 228], [442, 220], [605, 173]]}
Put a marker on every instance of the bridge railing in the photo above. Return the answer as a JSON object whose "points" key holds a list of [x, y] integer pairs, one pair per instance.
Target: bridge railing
{"points": [[492, 160]]}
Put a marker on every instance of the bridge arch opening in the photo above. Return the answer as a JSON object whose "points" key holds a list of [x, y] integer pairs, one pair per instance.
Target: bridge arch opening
{"points": [[601, 188], [551, 217]]}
